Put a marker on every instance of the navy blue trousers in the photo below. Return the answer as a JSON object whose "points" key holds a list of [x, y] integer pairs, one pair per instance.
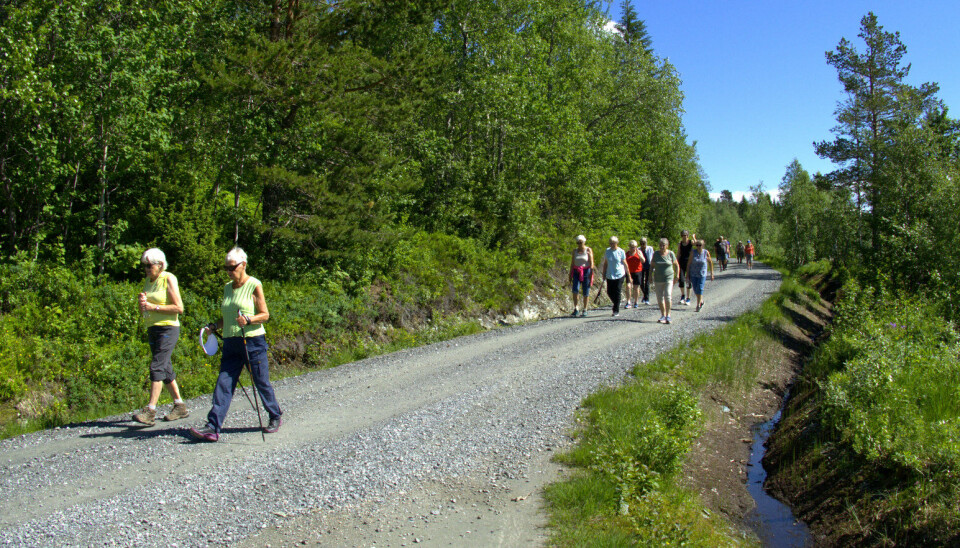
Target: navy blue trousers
{"points": [[231, 365]]}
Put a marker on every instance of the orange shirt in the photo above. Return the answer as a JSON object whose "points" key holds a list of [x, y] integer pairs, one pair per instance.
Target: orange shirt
{"points": [[635, 262]]}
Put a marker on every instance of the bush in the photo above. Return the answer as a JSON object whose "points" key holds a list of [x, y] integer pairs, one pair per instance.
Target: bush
{"points": [[892, 387]]}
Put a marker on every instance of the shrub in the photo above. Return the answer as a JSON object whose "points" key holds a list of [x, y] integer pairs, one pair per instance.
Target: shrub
{"points": [[892, 387]]}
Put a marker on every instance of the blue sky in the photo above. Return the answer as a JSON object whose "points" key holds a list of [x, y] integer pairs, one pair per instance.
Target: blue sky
{"points": [[758, 91]]}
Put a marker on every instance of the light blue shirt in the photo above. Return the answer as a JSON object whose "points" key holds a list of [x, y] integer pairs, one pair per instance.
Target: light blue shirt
{"points": [[615, 263]]}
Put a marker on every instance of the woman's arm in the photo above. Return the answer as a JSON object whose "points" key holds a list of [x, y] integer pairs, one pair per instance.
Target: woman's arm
{"points": [[590, 255], [709, 260], [173, 295], [260, 305]]}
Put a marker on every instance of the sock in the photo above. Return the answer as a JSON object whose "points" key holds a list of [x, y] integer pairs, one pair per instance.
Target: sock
{"points": [[178, 400], [152, 407]]}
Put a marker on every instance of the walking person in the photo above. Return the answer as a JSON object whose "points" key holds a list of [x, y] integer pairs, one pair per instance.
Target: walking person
{"points": [[718, 247], [634, 273], [647, 253], [726, 252], [684, 248], [581, 273], [697, 267], [161, 306], [244, 311], [614, 270], [666, 272], [749, 250], [741, 251]]}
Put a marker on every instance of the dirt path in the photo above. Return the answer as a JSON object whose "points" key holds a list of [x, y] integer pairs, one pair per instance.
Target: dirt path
{"points": [[442, 445]]}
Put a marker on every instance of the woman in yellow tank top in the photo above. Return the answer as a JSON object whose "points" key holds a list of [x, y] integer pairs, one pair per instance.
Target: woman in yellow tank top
{"points": [[244, 311], [161, 306]]}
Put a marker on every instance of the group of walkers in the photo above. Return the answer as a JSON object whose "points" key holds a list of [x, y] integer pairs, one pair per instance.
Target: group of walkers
{"points": [[722, 247], [244, 311], [639, 263]]}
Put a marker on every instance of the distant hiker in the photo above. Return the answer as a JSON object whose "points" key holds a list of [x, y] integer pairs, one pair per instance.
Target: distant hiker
{"points": [[666, 272], [647, 252], [634, 273], [726, 252], [741, 251], [614, 270], [718, 247], [697, 267], [161, 306], [749, 250], [684, 249], [581, 273], [244, 311]]}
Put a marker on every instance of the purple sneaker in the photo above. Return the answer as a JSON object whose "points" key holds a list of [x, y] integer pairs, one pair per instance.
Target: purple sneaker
{"points": [[204, 434], [273, 425]]}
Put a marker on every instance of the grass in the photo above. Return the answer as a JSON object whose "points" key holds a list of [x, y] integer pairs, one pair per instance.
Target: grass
{"points": [[870, 445], [633, 438]]}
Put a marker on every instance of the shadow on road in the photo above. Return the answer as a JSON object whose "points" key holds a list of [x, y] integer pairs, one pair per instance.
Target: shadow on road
{"points": [[132, 430]]}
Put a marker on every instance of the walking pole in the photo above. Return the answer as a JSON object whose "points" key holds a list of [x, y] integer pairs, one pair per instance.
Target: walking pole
{"points": [[599, 291], [253, 380]]}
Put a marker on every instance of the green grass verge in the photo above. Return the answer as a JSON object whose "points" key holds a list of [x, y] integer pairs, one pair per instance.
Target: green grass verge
{"points": [[877, 419], [634, 438]]}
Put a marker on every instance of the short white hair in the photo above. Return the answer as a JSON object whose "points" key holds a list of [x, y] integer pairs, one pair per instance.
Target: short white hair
{"points": [[237, 255], [614, 239], [154, 256], [664, 242], [581, 238], [633, 243]]}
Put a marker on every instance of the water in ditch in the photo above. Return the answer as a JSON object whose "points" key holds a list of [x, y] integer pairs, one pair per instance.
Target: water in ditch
{"points": [[773, 520]]}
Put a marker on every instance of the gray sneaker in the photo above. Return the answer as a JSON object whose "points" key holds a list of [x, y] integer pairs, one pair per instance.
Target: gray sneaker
{"points": [[179, 411], [146, 416]]}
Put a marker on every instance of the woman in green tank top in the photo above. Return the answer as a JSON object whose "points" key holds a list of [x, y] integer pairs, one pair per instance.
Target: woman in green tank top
{"points": [[160, 305], [244, 311]]}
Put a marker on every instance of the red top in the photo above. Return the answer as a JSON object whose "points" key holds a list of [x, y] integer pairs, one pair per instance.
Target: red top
{"points": [[749, 249], [635, 262]]}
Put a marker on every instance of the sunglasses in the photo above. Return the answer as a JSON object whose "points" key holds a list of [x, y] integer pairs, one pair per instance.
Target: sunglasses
{"points": [[147, 265], [229, 268]]}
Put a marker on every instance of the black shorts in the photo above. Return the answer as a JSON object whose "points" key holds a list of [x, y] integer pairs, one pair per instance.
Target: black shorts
{"points": [[162, 339], [635, 277]]}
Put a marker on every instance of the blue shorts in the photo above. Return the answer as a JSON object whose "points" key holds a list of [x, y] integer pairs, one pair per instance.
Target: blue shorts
{"points": [[697, 282], [583, 286]]}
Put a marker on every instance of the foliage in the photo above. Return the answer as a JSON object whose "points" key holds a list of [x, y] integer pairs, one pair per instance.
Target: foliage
{"points": [[634, 437], [894, 395]]}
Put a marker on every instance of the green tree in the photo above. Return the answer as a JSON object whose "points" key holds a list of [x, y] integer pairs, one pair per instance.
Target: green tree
{"points": [[879, 104], [801, 214]]}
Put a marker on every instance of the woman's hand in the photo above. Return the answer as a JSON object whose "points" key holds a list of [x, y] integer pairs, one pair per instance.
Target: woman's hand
{"points": [[242, 319], [143, 302]]}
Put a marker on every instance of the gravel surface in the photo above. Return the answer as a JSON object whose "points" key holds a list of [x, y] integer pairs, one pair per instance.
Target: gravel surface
{"points": [[475, 409]]}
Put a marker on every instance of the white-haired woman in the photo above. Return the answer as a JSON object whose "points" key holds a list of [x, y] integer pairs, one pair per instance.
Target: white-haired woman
{"points": [[161, 306], [614, 270], [666, 273], [244, 311], [581, 273]]}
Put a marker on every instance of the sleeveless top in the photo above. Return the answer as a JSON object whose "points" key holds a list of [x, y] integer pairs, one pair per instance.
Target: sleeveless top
{"points": [[581, 259], [157, 295], [240, 299], [663, 267], [698, 263]]}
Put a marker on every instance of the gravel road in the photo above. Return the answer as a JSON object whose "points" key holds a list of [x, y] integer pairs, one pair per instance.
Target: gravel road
{"points": [[404, 448]]}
